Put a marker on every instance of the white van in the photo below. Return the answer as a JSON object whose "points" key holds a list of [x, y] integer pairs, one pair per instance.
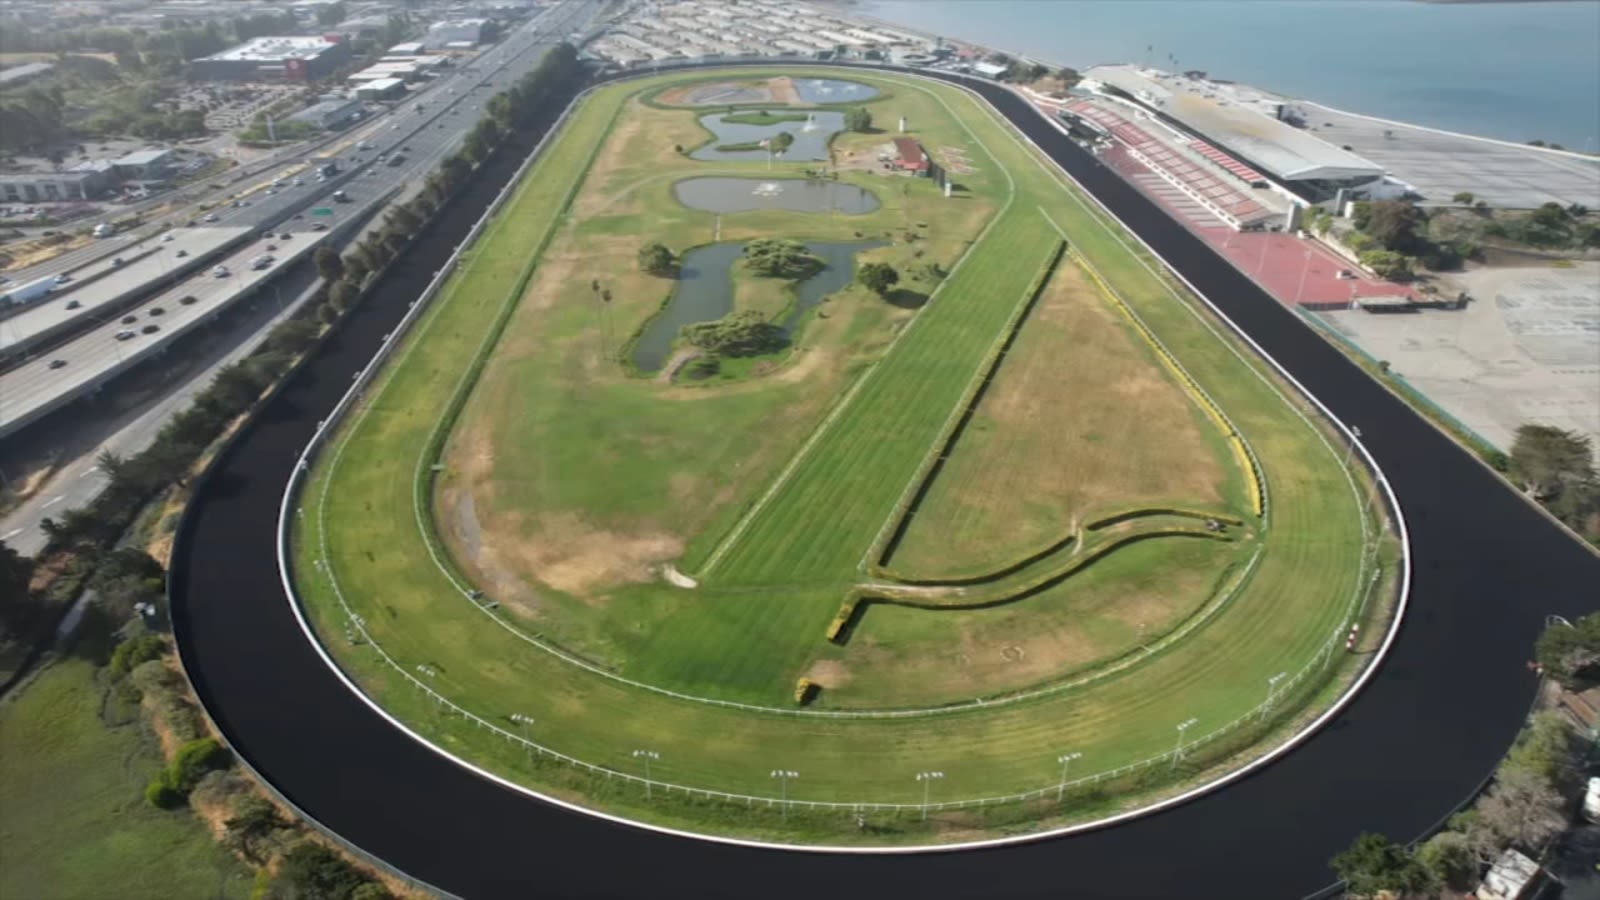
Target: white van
{"points": [[104, 229]]}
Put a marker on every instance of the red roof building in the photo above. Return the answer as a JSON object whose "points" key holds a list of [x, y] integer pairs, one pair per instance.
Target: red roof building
{"points": [[912, 158]]}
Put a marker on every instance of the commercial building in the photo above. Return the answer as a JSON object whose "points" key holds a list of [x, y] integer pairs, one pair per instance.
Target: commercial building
{"points": [[145, 165], [381, 89], [274, 58], [454, 34], [53, 187], [331, 113]]}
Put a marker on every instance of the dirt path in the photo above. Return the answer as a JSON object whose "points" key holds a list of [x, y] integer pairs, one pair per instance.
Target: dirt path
{"points": [[679, 358]]}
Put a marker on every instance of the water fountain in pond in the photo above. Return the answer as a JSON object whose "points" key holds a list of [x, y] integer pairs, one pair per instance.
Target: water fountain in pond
{"points": [[811, 122], [768, 189]]}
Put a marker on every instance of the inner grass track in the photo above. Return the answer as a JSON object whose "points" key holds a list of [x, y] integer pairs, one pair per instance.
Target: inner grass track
{"points": [[362, 521]]}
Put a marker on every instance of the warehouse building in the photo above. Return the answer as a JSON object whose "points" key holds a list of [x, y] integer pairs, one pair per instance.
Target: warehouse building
{"points": [[330, 114], [274, 59], [454, 34], [381, 89]]}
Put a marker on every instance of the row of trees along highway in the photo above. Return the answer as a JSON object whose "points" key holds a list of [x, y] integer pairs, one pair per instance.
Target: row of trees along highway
{"points": [[80, 552]]}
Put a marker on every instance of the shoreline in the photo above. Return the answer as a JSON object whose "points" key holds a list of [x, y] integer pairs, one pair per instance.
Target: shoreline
{"points": [[847, 9]]}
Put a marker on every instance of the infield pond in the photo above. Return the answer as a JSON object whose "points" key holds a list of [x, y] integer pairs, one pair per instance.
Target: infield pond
{"points": [[705, 289]]}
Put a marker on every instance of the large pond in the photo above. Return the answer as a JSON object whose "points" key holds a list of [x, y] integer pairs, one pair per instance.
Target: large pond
{"points": [[704, 293], [811, 134], [731, 195], [831, 90]]}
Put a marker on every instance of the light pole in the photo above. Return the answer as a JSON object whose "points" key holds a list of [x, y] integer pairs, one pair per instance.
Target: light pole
{"points": [[524, 721], [1304, 270], [783, 776], [1272, 685], [1177, 752], [647, 756], [927, 779], [1261, 265], [1350, 449], [1064, 759]]}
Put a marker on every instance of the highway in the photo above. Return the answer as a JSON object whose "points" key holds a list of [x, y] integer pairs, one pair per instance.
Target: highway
{"points": [[1416, 743], [452, 105]]}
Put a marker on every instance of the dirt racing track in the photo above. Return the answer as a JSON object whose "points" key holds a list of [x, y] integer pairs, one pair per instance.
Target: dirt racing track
{"points": [[1443, 707]]}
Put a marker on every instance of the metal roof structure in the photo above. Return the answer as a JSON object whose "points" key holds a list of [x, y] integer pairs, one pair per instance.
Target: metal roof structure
{"points": [[276, 49], [1240, 119]]}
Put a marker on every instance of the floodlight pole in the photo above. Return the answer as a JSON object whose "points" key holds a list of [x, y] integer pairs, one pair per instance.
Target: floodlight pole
{"points": [[524, 721], [646, 755], [1065, 759], [1272, 685], [927, 779], [1304, 270], [783, 776], [1177, 752], [1350, 448]]}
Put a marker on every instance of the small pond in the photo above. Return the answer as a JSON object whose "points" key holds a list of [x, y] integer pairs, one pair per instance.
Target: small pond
{"points": [[705, 293], [811, 135], [831, 90], [731, 195]]}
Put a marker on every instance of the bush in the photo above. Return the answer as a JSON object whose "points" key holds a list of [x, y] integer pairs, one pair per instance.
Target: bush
{"points": [[743, 333], [858, 119], [135, 651], [312, 870], [194, 760], [656, 259], [161, 795], [1387, 263]]}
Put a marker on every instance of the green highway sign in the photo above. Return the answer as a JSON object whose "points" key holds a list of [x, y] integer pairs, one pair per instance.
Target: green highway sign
{"points": [[322, 211]]}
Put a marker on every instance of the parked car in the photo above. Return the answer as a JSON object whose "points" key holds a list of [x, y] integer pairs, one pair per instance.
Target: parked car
{"points": [[58, 363]]}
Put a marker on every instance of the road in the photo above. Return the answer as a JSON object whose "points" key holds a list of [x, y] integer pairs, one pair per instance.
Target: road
{"points": [[1441, 710], [452, 104]]}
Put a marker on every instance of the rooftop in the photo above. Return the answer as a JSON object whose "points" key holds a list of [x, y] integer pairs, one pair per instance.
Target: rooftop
{"points": [[24, 71], [1239, 119], [142, 157], [271, 49]]}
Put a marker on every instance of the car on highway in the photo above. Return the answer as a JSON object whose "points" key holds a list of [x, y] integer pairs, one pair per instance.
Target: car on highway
{"points": [[211, 217], [181, 254], [187, 300], [63, 278], [152, 328], [284, 236], [298, 182], [58, 363], [129, 320], [158, 310], [125, 335], [167, 238], [220, 272], [74, 304], [319, 226], [116, 263]]}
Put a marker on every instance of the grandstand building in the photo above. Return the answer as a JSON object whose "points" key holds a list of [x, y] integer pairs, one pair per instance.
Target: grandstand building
{"points": [[1245, 131]]}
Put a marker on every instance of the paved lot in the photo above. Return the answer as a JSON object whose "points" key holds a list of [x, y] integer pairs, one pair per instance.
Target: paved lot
{"points": [[1526, 350], [1440, 165]]}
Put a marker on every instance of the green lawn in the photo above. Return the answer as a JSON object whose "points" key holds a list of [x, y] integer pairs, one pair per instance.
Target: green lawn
{"points": [[73, 821], [758, 622]]}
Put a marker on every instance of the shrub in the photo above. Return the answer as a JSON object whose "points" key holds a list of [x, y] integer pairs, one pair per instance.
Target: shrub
{"points": [[194, 760], [161, 795], [742, 333], [312, 870], [135, 651], [858, 119]]}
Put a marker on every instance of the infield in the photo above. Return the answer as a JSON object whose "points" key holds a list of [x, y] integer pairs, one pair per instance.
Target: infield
{"points": [[1005, 512]]}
